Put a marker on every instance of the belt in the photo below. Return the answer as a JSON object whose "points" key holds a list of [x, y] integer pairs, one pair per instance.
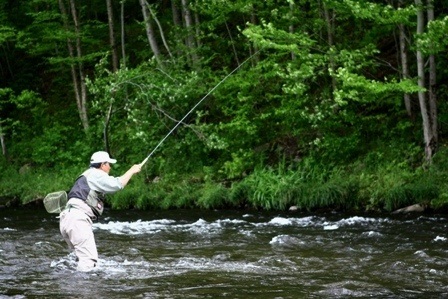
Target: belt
{"points": [[69, 207]]}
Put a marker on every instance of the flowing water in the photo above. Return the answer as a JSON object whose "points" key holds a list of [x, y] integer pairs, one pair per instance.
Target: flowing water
{"points": [[229, 254]]}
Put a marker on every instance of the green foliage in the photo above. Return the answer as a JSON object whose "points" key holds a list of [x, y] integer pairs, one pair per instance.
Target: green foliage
{"points": [[240, 191], [434, 41], [307, 121], [213, 196], [382, 14], [6, 33], [151, 103], [373, 183], [309, 187], [270, 189], [181, 195], [416, 192], [339, 192], [130, 196], [392, 184], [29, 184]]}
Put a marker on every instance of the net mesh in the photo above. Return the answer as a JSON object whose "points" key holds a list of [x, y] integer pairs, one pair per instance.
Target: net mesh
{"points": [[55, 202]]}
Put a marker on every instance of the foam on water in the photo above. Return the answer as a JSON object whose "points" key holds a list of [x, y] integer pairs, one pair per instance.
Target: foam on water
{"points": [[360, 220], [331, 227], [139, 269], [372, 234], [65, 263], [216, 254], [134, 227], [286, 240], [153, 266], [439, 238], [304, 221], [202, 226], [421, 253]]}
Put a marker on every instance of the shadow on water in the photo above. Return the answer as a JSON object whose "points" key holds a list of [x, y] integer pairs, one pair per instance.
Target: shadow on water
{"points": [[228, 254]]}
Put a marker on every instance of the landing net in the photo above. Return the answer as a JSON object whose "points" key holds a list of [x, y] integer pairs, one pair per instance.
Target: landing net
{"points": [[55, 202]]}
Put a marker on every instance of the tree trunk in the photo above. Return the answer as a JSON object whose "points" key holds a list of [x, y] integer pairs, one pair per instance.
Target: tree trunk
{"points": [[110, 20], [233, 44], [78, 82], [82, 83], [176, 15], [330, 38], [150, 33], [198, 30], [2, 140], [253, 20], [427, 132], [6, 52], [292, 8], [123, 47], [403, 40], [404, 66], [162, 35], [177, 22], [189, 26], [432, 96]]}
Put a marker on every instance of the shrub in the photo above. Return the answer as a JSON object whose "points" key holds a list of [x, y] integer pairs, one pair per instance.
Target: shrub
{"points": [[213, 196]]}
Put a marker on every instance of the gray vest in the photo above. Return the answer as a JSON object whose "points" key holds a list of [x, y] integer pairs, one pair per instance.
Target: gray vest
{"points": [[93, 198]]}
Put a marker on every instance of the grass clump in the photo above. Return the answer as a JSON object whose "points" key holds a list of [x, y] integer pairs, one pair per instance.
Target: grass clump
{"points": [[373, 183], [30, 184], [338, 193], [213, 196], [269, 189]]}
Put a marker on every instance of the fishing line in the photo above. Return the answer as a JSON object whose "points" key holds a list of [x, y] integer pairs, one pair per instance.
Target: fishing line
{"points": [[195, 106]]}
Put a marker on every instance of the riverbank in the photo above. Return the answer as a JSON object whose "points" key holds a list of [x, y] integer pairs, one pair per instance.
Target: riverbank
{"points": [[16, 203], [362, 186], [415, 209]]}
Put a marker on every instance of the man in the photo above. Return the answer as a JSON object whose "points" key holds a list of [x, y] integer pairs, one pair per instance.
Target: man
{"points": [[85, 205]]}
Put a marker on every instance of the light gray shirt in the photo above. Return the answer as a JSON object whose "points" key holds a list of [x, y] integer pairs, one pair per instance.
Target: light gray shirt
{"points": [[100, 181]]}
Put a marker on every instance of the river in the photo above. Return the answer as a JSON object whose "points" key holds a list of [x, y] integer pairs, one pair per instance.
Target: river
{"points": [[228, 254]]}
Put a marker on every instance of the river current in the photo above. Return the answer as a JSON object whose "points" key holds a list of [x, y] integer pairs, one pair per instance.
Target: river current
{"points": [[228, 254]]}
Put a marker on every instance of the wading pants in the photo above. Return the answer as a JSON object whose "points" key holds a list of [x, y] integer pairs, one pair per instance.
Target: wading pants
{"points": [[76, 229]]}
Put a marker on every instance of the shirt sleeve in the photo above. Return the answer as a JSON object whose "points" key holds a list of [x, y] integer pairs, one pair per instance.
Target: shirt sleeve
{"points": [[100, 181]]}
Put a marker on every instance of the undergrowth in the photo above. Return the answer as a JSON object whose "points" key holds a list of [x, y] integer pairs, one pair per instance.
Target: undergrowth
{"points": [[361, 186]]}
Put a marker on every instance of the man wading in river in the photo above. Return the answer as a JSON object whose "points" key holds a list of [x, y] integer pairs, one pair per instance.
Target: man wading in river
{"points": [[85, 205]]}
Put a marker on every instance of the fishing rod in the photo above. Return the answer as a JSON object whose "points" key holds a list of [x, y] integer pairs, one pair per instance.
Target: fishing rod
{"points": [[194, 107]]}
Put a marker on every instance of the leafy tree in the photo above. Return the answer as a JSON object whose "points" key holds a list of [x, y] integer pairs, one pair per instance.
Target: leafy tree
{"points": [[323, 79]]}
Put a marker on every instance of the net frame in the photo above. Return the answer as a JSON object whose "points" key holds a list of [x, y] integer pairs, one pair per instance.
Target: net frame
{"points": [[55, 202]]}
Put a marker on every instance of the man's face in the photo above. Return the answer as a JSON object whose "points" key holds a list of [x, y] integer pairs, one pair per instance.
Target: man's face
{"points": [[105, 167]]}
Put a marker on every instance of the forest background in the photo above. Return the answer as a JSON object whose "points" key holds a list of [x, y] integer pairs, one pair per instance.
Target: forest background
{"points": [[326, 104]]}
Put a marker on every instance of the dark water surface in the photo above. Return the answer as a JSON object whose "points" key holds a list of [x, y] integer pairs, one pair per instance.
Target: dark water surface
{"points": [[229, 254]]}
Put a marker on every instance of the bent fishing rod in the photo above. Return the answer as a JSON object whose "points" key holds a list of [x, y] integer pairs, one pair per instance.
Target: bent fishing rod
{"points": [[194, 107]]}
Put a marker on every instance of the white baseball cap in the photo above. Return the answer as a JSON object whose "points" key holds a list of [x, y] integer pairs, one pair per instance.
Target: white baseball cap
{"points": [[101, 157]]}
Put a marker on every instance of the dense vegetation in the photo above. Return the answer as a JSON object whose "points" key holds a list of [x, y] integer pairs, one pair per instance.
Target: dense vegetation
{"points": [[319, 104]]}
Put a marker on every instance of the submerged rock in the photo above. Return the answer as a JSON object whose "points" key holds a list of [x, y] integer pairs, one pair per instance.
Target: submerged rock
{"points": [[9, 202], [419, 208]]}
